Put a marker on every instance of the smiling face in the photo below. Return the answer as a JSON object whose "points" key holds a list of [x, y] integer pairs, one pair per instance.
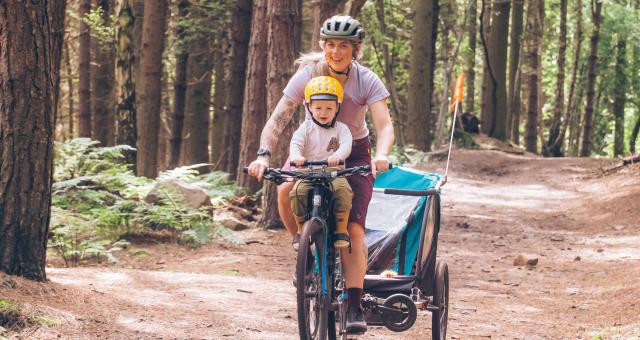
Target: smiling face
{"points": [[338, 53], [323, 110]]}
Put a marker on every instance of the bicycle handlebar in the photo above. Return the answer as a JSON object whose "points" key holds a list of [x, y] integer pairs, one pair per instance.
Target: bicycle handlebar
{"points": [[278, 175], [403, 192], [316, 163]]}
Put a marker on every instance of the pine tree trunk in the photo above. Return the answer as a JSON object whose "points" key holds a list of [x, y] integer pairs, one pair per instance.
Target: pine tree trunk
{"points": [[322, 10], [138, 13], [485, 97], [282, 49], [497, 108], [532, 40], [513, 100], [635, 86], [440, 100], [596, 11], [541, 98], [240, 34], [551, 148], [84, 72], [27, 87], [634, 136], [472, 32], [219, 148], [199, 72], [619, 94], [165, 129], [103, 120], [57, 12], [254, 111], [569, 116], [150, 91], [125, 74], [70, 89], [355, 6], [389, 75], [179, 89], [576, 117], [422, 63]]}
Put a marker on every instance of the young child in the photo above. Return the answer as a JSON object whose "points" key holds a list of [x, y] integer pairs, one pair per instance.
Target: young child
{"points": [[322, 138]]}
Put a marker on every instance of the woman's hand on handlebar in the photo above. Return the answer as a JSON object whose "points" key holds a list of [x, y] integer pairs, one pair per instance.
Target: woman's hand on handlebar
{"points": [[379, 164], [257, 168]]}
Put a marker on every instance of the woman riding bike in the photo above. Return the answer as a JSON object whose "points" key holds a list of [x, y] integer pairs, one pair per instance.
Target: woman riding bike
{"points": [[341, 43]]}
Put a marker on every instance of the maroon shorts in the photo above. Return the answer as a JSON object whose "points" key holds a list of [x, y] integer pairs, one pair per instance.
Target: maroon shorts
{"points": [[362, 186]]}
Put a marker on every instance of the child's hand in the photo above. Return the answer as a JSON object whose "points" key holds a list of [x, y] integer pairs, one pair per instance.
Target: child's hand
{"points": [[298, 161], [333, 160]]}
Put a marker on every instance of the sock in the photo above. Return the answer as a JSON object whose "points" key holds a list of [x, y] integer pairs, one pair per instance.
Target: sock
{"points": [[342, 220], [354, 295]]}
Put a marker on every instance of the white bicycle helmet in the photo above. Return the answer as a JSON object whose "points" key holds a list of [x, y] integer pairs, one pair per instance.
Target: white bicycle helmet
{"points": [[342, 27]]}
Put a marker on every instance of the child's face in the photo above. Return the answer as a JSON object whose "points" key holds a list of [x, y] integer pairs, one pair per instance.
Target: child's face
{"points": [[323, 110]]}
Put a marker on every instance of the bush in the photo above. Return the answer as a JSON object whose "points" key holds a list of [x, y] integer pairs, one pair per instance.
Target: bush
{"points": [[97, 200]]}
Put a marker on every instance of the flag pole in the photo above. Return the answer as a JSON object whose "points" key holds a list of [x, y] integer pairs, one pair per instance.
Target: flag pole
{"points": [[457, 99]]}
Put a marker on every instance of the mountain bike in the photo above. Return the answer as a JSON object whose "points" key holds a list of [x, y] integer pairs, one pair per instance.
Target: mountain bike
{"points": [[320, 286]]}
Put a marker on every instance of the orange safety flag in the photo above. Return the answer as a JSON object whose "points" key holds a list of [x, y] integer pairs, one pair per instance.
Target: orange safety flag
{"points": [[458, 92]]}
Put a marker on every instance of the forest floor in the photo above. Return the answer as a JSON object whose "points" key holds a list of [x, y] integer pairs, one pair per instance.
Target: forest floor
{"points": [[580, 222]]}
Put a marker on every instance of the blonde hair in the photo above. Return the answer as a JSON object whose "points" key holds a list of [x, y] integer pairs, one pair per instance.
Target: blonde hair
{"points": [[320, 65]]}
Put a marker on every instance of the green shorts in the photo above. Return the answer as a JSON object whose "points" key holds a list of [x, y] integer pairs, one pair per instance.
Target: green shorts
{"points": [[341, 196]]}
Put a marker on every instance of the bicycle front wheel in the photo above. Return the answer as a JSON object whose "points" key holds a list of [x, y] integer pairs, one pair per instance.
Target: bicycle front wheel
{"points": [[313, 291]]}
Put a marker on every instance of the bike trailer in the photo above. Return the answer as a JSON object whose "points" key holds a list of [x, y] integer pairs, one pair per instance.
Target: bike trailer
{"points": [[401, 232]]}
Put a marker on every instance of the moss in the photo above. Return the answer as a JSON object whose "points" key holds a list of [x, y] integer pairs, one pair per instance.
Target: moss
{"points": [[8, 305], [14, 317], [45, 321]]}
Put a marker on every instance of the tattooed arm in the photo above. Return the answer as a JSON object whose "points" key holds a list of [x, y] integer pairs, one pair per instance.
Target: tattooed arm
{"points": [[281, 116]]}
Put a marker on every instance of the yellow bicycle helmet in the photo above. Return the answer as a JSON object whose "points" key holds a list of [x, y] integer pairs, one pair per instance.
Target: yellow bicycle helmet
{"points": [[324, 87]]}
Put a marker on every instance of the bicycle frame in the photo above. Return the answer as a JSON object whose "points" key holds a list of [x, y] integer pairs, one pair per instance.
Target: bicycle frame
{"points": [[330, 297]]}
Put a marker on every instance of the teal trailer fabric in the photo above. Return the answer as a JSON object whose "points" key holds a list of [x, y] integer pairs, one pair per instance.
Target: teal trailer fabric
{"points": [[387, 219]]}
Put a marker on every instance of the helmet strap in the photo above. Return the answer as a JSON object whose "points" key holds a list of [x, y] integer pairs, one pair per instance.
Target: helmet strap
{"points": [[346, 73], [326, 126]]}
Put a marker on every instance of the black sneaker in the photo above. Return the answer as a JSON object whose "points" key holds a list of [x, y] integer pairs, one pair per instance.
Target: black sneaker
{"points": [[355, 321], [296, 242]]}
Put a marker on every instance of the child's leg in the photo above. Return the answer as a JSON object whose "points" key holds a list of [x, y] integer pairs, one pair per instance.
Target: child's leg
{"points": [[342, 196], [298, 196]]}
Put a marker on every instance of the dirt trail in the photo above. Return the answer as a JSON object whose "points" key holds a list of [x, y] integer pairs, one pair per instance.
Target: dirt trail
{"points": [[583, 229]]}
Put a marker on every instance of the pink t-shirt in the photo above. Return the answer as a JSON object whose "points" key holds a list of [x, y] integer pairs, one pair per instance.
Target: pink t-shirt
{"points": [[362, 88]]}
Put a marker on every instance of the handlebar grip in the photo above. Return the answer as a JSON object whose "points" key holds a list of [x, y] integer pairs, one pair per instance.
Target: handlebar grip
{"points": [[245, 170]]}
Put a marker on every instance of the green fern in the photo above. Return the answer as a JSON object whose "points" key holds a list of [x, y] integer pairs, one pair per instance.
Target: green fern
{"points": [[97, 200], [227, 235], [198, 235]]}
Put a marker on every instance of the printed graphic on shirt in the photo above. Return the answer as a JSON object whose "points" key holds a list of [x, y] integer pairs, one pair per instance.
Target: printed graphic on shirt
{"points": [[333, 145]]}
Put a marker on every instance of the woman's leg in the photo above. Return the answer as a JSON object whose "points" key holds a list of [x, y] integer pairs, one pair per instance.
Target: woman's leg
{"points": [[284, 208], [355, 262], [355, 267]]}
